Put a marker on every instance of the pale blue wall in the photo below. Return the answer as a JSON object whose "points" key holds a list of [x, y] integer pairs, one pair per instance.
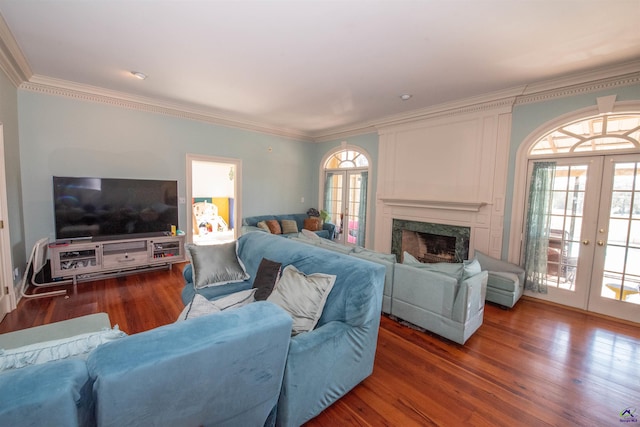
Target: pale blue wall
{"points": [[67, 137], [369, 143], [528, 117], [9, 119]]}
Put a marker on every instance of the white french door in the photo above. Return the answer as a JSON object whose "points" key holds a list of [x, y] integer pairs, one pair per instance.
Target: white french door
{"points": [[346, 204], [615, 284], [594, 235]]}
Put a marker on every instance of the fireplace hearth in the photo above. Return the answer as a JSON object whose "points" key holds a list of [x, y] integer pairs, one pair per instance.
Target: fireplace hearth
{"points": [[430, 242]]}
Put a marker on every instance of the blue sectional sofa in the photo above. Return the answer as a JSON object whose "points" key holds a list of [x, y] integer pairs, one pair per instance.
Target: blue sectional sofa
{"points": [[224, 370], [328, 361], [251, 224]]}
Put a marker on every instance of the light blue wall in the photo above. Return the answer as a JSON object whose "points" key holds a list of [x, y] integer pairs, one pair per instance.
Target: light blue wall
{"points": [[527, 118], [369, 143], [9, 119], [67, 137]]}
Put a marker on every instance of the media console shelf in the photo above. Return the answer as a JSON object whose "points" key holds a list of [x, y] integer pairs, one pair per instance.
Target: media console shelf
{"points": [[83, 261]]}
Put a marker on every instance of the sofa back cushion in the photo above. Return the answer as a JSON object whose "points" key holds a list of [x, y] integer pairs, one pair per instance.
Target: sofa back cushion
{"points": [[455, 270], [432, 291], [221, 369], [356, 296]]}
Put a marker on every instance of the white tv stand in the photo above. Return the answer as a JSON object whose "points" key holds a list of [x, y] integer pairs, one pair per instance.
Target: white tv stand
{"points": [[84, 260]]}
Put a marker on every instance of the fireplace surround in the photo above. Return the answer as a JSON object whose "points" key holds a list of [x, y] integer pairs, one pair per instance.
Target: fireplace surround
{"points": [[430, 242]]}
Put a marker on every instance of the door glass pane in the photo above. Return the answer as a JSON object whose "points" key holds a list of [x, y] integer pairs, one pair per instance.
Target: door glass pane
{"points": [[622, 254], [566, 225], [333, 200], [354, 209]]}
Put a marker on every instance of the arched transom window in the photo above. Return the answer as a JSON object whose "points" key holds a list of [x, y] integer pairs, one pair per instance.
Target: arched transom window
{"points": [[600, 133], [346, 159]]}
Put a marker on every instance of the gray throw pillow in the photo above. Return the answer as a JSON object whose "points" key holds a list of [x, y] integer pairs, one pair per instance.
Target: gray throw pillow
{"points": [[302, 296], [215, 265]]}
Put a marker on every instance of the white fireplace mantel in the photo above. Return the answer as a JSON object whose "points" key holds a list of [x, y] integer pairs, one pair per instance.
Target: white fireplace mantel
{"points": [[468, 206]]}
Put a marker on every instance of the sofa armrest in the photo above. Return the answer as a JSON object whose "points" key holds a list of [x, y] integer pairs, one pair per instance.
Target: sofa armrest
{"points": [[323, 365], [470, 298], [331, 228], [52, 394], [493, 264]]}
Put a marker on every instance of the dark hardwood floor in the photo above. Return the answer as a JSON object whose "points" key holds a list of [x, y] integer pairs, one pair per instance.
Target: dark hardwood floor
{"points": [[534, 365]]}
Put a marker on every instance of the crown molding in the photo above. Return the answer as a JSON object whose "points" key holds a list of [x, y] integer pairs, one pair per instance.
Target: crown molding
{"points": [[343, 132], [501, 100], [601, 74], [580, 88], [57, 87], [12, 60], [591, 81]]}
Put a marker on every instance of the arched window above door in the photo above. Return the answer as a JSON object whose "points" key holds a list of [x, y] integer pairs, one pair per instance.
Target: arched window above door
{"points": [[607, 132], [346, 159]]}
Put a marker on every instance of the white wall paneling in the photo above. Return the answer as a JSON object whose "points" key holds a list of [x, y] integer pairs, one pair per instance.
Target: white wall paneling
{"points": [[449, 170]]}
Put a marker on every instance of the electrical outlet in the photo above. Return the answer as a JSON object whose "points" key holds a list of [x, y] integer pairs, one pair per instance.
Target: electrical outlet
{"points": [[302, 199], [16, 273]]}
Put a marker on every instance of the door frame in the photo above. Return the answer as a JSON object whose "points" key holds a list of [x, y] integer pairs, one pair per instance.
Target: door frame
{"points": [[237, 190], [346, 175], [521, 178], [322, 174], [8, 301]]}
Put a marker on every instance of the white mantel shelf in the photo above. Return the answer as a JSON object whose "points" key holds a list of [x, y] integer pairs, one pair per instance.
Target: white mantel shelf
{"points": [[473, 206]]}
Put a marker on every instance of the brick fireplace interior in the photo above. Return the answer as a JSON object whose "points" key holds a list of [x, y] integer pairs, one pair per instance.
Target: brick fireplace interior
{"points": [[430, 242]]}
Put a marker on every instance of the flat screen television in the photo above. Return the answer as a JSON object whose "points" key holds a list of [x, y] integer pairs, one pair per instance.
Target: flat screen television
{"points": [[112, 208]]}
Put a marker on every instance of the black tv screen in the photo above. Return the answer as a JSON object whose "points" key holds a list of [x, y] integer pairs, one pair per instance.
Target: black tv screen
{"points": [[110, 208]]}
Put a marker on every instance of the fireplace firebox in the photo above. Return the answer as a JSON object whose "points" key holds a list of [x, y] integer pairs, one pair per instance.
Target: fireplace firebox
{"points": [[430, 242]]}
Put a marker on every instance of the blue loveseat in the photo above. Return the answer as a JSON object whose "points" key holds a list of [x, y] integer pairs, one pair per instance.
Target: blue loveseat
{"points": [[224, 370], [327, 362], [250, 224]]}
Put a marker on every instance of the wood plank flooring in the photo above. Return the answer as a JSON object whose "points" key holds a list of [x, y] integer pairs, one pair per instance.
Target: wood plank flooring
{"points": [[534, 365]]}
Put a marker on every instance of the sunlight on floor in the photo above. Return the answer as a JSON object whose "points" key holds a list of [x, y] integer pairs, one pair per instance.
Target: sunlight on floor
{"points": [[213, 238]]}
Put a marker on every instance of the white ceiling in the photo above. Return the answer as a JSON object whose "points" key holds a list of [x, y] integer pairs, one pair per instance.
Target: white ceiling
{"points": [[316, 67]]}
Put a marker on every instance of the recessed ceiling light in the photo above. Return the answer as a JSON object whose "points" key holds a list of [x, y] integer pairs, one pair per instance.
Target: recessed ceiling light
{"points": [[139, 75], [405, 97]]}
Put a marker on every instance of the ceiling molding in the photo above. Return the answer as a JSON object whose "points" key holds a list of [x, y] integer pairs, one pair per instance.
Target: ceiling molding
{"points": [[57, 87], [590, 76], [581, 88], [502, 100], [344, 132], [12, 60]]}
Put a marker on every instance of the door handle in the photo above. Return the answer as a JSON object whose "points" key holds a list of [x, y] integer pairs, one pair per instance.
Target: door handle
{"points": [[585, 242]]}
